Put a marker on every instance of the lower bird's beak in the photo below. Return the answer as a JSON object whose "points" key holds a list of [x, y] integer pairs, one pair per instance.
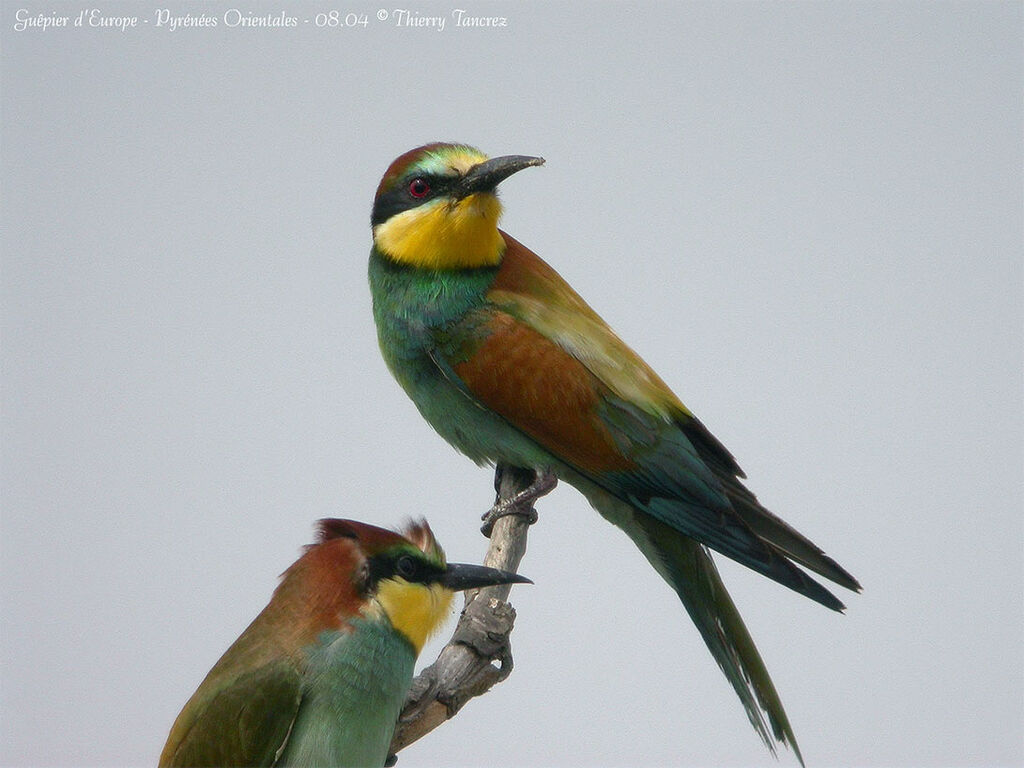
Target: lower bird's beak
{"points": [[459, 576], [487, 175]]}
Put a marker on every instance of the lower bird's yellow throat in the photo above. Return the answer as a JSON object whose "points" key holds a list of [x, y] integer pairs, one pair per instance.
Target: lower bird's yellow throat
{"points": [[445, 234], [415, 610]]}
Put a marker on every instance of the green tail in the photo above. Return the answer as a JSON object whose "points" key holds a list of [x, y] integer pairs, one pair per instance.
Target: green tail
{"points": [[687, 566]]}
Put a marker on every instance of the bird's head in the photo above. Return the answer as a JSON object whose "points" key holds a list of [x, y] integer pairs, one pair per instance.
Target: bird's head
{"points": [[403, 577], [437, 207]]}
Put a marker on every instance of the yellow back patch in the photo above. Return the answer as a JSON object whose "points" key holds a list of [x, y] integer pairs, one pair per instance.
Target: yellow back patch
{"points": [[415, 610], [445, 234]]}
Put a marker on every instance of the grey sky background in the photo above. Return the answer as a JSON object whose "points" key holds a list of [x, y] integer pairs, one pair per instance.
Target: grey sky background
{"points": [[807, 217]]}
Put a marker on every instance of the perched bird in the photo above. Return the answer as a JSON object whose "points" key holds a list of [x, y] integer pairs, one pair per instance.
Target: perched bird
{"points": [[320, 676], [506, 361]]}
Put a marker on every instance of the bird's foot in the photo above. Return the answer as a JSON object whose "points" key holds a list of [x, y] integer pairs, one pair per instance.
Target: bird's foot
{"points": [[542, 483], [502, 509], [390, 761]]}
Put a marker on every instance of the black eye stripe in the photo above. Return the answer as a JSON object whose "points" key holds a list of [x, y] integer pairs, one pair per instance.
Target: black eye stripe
{"points": [[403, 565], [399, 198]]}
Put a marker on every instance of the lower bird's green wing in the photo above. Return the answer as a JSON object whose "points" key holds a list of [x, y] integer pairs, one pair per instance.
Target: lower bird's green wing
{"points": [[237, 720]]}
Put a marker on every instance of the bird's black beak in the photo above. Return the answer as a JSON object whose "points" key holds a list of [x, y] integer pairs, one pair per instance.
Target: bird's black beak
{"points": [[487, 175], [459, 576]]}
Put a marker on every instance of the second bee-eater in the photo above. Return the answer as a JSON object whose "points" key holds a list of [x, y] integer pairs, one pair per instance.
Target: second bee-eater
{"points": [[320, 676], [506, 361]]}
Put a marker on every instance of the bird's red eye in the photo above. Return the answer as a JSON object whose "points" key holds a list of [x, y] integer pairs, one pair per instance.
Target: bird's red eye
{"points": [[419, 188]]}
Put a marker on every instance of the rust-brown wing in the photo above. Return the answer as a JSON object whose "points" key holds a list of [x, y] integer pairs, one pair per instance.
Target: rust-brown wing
{"points": [[540, 389]]}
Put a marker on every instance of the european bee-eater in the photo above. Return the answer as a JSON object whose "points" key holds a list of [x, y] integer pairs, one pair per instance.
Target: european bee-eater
{"points": [[506, 361], [320, 676]]}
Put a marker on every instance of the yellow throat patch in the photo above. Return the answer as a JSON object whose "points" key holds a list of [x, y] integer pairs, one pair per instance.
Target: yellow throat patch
{"points": [[415, 610], [445, 234]]}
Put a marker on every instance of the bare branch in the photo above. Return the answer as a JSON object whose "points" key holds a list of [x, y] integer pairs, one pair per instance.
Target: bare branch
{"points": [[478, 656]]}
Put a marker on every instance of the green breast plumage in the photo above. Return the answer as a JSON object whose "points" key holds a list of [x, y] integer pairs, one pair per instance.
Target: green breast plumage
{"points": [[353, 690], [410, 305], [412, 309]]}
